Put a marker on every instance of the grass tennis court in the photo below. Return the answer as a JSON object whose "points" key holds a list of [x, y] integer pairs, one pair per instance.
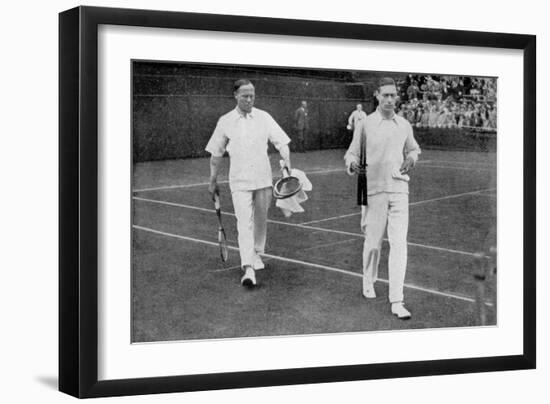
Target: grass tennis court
{"points": [[312, 282]]}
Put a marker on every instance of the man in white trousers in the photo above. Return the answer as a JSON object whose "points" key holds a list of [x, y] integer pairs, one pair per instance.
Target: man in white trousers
{"points": [[244, 133], [391, 151], [356, 117]]}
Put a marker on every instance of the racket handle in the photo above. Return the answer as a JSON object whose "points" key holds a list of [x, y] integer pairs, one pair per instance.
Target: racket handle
{"points": [[362, 190]]}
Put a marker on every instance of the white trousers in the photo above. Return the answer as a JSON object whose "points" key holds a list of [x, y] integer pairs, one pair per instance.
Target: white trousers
{"points": [[386, 211], [251, 211]]}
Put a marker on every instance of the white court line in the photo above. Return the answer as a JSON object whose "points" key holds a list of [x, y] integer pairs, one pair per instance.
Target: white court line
{"points": [[301, 226], [179, 205], [410, 204], [460, 168], [309, 264], [331, 218], [329, 244], [198, 184], [479, 191], [488, 165], [424, 163]]}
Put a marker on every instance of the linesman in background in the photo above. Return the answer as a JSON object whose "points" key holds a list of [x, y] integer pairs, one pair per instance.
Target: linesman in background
{"points": [[301, 126], [244, 133], [356, 118], [391, 151]]}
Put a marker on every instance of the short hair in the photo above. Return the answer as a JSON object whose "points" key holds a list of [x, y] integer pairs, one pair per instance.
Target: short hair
{"points": [[386, 81], [239, 83]]}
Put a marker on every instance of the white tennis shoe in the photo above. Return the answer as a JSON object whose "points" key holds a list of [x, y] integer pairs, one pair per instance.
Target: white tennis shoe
{"points": [[258, 263], [400, 311], [249, 277]]}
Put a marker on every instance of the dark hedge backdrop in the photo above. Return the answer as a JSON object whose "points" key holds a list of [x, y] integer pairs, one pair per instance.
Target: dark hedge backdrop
{"points": [[176, 106]]}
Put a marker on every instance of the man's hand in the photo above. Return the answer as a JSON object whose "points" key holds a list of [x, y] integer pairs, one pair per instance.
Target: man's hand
{"points": [[407, 165], [284, 151], [287, 165], [354, 168], [213, 186], [215, 162]]}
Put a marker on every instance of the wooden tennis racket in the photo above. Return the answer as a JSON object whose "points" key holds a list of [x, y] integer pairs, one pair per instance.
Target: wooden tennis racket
{"points": [[222, 240], [287, 186], [362, 174]]}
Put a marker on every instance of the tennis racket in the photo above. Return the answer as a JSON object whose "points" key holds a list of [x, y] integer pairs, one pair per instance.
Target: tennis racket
{"points": [[362, 174], [286, 187], [222, 240]]}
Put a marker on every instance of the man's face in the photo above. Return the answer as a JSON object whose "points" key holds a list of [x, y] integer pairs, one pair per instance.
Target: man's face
{"points": [[245, 97], [304, 104], [359, 107], [387, 96]]}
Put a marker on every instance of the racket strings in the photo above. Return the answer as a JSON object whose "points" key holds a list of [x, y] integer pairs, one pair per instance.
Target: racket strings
{"points": [[224, 252], [287, 187], [222, 242]]}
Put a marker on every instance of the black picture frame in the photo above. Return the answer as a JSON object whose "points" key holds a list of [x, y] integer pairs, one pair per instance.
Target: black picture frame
{"points": [[78, 201]]}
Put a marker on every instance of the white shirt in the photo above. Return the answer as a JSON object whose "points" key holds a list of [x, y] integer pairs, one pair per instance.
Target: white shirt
{"points": [[388, 142], [245, 138]]}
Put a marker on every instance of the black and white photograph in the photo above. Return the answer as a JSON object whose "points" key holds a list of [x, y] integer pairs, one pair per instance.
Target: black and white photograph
{"points": [[282, 201], [254, 202], [275, 202]]}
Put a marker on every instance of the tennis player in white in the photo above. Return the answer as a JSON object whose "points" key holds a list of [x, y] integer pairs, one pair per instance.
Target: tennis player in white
{"points": [[391, 151], [244, 133]]}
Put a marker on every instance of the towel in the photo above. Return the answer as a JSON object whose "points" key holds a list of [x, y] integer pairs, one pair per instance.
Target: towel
{"points": [[292, 205]]}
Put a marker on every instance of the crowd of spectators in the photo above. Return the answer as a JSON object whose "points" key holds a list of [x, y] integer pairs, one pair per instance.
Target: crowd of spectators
{"points": [[449, 101]]}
